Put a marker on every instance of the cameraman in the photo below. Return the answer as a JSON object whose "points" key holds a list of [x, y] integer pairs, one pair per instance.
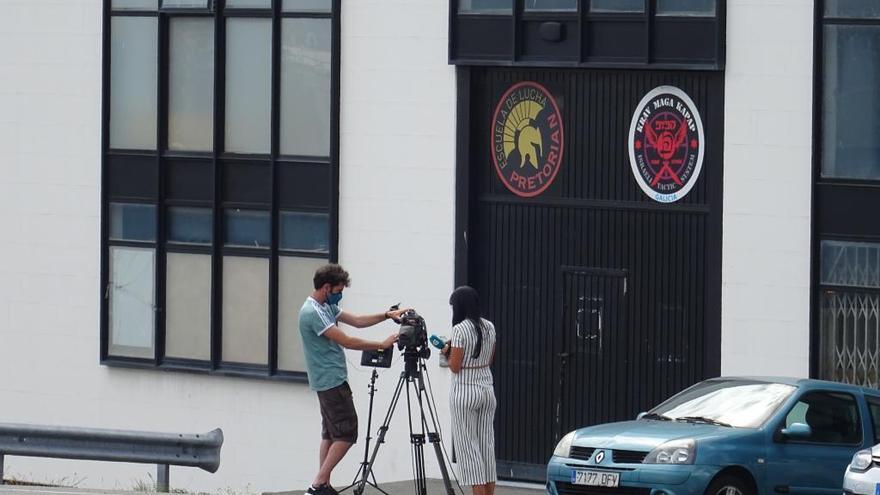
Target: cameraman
{"points": [[323, 343]]}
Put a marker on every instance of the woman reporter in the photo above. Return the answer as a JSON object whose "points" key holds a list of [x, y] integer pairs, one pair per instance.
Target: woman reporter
{"points": [[472, 396]]}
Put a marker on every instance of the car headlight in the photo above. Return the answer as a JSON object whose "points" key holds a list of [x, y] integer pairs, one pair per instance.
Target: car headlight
{"points": [[563, 448], [861, 461], [673, 452]]}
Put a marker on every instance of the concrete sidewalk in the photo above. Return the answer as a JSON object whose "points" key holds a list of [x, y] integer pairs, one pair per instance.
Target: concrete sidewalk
{"points": [[435, 487]]}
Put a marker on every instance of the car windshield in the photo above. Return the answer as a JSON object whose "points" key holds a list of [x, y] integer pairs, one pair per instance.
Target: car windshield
{"points": [[738, 403]]}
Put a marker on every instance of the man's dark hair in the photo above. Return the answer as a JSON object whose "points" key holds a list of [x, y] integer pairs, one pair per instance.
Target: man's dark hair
{"points": [[332, 274], [466, 306]]}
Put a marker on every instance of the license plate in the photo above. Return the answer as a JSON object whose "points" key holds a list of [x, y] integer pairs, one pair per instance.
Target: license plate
{"points": [[595, 478], [877, 489]]}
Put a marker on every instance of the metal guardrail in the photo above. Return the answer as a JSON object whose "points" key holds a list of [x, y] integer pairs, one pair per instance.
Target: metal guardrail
{"points": [[162, 449]]}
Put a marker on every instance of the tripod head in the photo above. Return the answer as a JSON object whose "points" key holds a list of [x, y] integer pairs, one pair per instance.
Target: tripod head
{"points": [[412, 360]]}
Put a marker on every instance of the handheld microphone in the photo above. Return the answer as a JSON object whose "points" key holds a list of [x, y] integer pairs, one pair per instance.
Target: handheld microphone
{"points": [[437, 342]]}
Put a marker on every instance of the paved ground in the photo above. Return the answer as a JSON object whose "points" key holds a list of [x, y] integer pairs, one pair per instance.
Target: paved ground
{"points": [[40, 490], [435, 487]]}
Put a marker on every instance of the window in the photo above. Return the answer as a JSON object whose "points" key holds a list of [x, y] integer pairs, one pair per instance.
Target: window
{"points": [[248, 84], [306, 5], [485, 6], [851, 90], [588, 33], [617, 6], [305, 86], [249, 4], [850, 264], [130, 294], [686, 7], [135, 4], [550, 5], [852, 8], [740, 403], [874, 407], [133, 52], [186, 4], [218, 170], [847, 157], [832, 417]]}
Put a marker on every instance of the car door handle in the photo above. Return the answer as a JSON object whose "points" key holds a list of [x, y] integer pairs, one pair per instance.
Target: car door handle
{"points": [[781, 489]]}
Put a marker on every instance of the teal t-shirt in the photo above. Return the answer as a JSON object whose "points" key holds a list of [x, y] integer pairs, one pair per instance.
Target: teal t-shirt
{"points": [[325, 359]]}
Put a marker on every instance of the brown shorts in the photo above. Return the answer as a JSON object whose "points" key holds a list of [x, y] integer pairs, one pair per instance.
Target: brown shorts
{"points": [[339, 420]]}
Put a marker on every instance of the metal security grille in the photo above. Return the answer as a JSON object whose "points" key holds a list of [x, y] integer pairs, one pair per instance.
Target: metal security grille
{"points": [[850, 349], [849, 312]]}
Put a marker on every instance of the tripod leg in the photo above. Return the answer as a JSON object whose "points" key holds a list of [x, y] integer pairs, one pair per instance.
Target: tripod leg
{"points": [[418, 443], [372, 388], [359, 490], [434, 438]]}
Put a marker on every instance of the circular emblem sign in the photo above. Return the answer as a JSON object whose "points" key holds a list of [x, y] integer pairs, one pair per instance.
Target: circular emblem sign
{"points": [[527, 139], [666, 144]]}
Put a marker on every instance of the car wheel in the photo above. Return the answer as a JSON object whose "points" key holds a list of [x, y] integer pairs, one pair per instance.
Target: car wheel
{"points": [[729, 485]]}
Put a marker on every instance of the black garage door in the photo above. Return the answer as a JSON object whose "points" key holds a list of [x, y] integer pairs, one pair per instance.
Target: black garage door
{"points": [[606, 301]]}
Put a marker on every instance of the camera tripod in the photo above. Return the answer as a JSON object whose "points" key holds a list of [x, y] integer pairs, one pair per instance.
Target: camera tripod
{"points": [[362, 471], [411, 377]]}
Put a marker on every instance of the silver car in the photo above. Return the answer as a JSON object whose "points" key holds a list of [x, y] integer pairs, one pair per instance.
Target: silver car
{"points": [[863, 474]]}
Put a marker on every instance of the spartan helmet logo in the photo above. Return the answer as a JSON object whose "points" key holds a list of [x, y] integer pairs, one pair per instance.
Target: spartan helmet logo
{"points": [[521, 133], [526, 139], [600, 456]]}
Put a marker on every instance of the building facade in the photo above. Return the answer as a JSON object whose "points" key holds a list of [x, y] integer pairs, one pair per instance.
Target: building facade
{"points": [[645, 192]]}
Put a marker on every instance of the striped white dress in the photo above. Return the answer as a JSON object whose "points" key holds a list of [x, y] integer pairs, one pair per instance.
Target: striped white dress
{"points": [[472, 404]]}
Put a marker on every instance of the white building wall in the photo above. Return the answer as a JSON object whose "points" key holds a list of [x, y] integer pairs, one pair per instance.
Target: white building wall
{"points": [[397, 200], [397, 190], [767, 183], [396, 224]]}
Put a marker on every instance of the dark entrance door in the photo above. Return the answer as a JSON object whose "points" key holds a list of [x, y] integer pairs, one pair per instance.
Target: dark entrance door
{"points": [[606, 301], [589, 339]]}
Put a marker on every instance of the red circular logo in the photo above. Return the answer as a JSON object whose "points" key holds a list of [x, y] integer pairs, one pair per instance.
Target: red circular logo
{"points": [[666, 144], [527, 139]]}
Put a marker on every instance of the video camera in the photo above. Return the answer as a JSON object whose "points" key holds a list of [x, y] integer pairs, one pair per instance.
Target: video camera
{"points": [[413, 333], [412, 339]]}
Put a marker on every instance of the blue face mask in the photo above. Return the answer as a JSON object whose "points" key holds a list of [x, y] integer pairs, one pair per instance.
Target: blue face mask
{"points": [[334, 297]]}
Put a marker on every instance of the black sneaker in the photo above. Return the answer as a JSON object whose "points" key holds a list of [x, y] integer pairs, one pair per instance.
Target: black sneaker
{"points": [[324, 489]]}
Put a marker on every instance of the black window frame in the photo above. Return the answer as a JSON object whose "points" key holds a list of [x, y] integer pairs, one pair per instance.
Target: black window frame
{"points": [[279, 195], [840, 207], [568, 38]]}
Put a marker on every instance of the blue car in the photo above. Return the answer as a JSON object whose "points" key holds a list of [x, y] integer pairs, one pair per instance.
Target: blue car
{"points": [[725, 436]]}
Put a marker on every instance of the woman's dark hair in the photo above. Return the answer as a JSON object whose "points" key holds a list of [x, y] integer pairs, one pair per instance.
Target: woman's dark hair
{"points": [[466, 306]]}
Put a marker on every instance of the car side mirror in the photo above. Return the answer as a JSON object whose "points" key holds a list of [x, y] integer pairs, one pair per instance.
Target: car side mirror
{"points": [[797, 430], [641, 415]]}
